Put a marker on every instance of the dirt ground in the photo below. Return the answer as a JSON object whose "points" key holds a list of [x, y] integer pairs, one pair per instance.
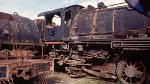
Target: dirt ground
{"points": [[61, 78]]}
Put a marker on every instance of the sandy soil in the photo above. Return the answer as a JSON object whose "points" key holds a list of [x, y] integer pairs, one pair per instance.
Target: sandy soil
{"points": [[61, 78]]}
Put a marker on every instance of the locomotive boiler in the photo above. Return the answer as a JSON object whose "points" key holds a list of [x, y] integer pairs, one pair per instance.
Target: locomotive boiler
{"points": [[18, 35], [101, 42]]}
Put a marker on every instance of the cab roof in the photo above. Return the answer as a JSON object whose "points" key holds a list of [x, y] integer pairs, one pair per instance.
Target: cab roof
{"points": [[56, 11]]}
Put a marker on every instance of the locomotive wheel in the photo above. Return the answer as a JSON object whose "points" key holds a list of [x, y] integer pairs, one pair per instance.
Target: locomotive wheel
{"points": [[130, 72]]}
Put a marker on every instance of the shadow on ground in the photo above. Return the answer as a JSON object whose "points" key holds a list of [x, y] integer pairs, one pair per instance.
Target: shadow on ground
{"points": [[61, 78]]}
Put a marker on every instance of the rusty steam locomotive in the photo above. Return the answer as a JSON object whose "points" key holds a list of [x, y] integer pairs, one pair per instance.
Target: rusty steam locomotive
{"points": [[100, 42], [19, 43]]}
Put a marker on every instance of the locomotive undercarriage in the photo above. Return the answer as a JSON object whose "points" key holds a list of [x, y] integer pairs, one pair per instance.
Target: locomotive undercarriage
{"points": [[104, 61], [92, 60], [26, 71], [81, 59], [23, 65]]}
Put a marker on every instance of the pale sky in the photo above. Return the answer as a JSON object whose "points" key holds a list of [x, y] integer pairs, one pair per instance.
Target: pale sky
{"points": [[30, 8]]}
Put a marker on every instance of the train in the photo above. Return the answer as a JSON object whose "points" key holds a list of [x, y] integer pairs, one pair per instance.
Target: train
{"points": [[107, 42], [19, 43]]}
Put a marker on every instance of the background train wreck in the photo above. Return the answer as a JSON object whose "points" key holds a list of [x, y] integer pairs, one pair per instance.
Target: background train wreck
{"points": [[19, 43]]}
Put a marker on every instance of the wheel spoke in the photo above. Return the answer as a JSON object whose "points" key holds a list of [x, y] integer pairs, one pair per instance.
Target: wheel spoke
{"points": [[130, 80], [126, 78], [123, 74], [126, 65], [130, 64], [135, 64], [139, 67]]}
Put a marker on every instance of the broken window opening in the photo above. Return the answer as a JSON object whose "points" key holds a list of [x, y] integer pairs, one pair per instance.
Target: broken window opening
{"points": [[56, 20], [53, 20], [68, 17]]}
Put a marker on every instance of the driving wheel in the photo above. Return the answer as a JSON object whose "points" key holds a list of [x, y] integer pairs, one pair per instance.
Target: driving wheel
{"points": [[131, 72]]}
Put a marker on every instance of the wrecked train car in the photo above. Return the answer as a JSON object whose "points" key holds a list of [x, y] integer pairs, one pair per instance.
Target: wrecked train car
{"points": [[19, 43], [104, 42]]}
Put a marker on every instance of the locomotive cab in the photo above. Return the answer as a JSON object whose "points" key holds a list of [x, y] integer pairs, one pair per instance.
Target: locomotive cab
{"points": [[57, 22]]}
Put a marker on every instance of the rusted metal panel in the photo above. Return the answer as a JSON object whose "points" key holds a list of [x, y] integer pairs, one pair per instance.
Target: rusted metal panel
{"points": [[40, 24], [17, 29], [104, 21], [53, 34], [6, 22], [27, 30], [119, 22], [12, 67], [104, 24], [128, 19], [84, 23]]}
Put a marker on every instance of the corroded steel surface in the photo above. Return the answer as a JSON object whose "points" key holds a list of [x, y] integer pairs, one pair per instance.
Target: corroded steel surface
{"points": [[12, 67], [17, 29]]}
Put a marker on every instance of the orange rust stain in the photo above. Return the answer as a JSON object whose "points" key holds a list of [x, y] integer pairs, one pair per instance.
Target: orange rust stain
{"points": [[54, 43]]}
